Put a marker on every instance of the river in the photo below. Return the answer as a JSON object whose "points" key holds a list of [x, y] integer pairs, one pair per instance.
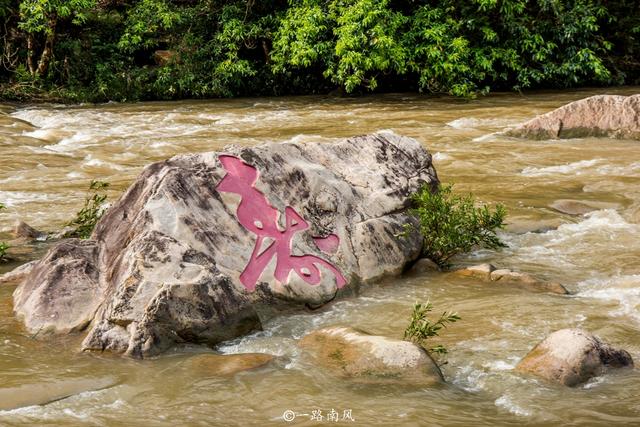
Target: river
{"points": [[49, 154]]}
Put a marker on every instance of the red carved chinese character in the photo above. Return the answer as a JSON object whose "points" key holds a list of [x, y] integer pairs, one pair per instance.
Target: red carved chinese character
{"points": [[258, 216]]}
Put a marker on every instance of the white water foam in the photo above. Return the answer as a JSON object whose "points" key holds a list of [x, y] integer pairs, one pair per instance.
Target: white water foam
{"points": [[474, 122], [576, 168], [622, 290], [507, 403]]}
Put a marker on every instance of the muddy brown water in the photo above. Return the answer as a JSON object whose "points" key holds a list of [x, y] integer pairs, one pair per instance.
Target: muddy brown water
{"points": [[48, 155]]}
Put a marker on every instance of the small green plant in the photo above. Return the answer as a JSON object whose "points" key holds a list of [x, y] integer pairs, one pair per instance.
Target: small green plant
{"points": [[3, 245], [420, 328], [452, 224], [87, 217]]}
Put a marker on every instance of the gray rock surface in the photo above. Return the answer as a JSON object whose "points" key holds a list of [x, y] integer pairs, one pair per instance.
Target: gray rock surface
{"points": [[172, 262], [571, 357], [356, 355], [612, 116]]}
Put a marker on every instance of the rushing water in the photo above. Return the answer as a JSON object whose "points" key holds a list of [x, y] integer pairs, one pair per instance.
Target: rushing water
{"points": [[49, 154]]}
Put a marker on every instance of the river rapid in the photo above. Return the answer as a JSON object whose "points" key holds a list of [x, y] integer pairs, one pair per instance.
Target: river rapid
{"points": [[50, 153]]}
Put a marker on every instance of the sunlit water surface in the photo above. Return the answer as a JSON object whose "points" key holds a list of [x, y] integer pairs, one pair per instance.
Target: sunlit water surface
{"points": [[49, 154]]}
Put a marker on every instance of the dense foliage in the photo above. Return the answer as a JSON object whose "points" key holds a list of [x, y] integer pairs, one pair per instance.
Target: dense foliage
{"points": [[452, 224], [165, 49], [420, 328]]}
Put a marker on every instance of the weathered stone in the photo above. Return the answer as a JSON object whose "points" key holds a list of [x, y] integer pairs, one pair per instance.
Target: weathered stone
{"points": [[353, 354], [576, 207], [571, 357], [480, 271], [523, 226], [228, 364], [423, 265], [18, 274], [612, 116], [489, 273], [526, 281], [61, 292], [181, 256], [22, 230]]}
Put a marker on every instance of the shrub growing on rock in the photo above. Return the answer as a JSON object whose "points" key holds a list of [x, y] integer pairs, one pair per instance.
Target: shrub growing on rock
{"points": [[87, 217], [452, 224]]}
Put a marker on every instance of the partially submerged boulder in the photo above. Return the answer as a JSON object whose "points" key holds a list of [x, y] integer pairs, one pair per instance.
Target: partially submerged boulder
{"points": [[354, 354], [480, 271], [579, 207], [18, 274], [228, 364], [571, 357], [45, 392], [489, 273], [24, 231], [202, 243], [527, 281], [612, 116]]}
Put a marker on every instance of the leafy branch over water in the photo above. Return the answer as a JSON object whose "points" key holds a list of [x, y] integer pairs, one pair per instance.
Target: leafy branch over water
{"points": [[420, 328], [452, 224], [93, 209]]}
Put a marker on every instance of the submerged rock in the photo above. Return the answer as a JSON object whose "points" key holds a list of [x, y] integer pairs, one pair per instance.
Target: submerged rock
{"points": [[577, 207], [200, 244], [527, 281], [43, 393], [489, 273], [357, 355], [22, 230], [423, 265], [572, 357], [612, 116], [18, 274], [228, 364], [480, 271]]}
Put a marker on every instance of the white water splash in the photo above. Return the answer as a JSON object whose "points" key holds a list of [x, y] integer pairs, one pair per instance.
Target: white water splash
{"points": [[576, 168]]}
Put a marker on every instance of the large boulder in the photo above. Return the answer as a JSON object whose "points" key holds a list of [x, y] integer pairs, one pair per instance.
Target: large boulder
{"points": [[612, 116], [201, 244], [356, 355], [571, 357]]}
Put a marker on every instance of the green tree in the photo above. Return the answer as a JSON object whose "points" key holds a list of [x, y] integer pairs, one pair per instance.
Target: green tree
{"points": [[39, 18]]}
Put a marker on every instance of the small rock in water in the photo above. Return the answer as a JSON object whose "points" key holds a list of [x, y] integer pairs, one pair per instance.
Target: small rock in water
{"points": [[423, 265], [573, 207], [523, 226], [489, 273], [22, 230], [480, 271], [229, 364], [44, 393], [572, 356], [527, 281], [356, 355], [17, 274]]}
